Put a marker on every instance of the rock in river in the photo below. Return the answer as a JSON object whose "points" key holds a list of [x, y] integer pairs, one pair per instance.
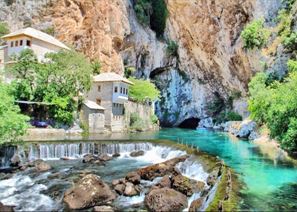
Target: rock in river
{"points": [[160, 169], [88, 192], [196, 205], [165, 199], [41, 166], [137, 153], [186, 186]]}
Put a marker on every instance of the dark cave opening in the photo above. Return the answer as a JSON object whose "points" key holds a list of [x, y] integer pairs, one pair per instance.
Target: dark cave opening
{"points": [[191, 123]]}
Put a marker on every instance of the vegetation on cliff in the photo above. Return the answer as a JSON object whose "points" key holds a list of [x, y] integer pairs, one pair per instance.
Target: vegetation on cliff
{"points": [[255, 35], [275, 104], [12, 123], [152, 13], [55, 82], [143, 90]]}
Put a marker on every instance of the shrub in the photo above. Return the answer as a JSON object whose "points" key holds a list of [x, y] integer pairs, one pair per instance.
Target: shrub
{"points": [[136, 123], [158, 17], [143, 90], [50, 30], [292, 66], [255, 35], [154, 119], [172, 48], [233, 116], [12, 123], [276, 106], [96, 67], [3, 29], [129, 71], [152, 13], [290, 42]]}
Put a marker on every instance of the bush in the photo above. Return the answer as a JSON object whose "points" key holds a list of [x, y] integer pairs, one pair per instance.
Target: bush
{"points": [[4, 30], [136, 123], [292, 66], [49, 30], [12, 123], [152, 13], [129, 71], [255, 35], [158, 17], [276, 106], [143, 90], [154, 119], [233, 116], [96, 67], [290, 42], [172, 48]]}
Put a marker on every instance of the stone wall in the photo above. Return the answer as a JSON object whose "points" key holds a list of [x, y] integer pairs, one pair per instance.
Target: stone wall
{"points": [[144, 111]]}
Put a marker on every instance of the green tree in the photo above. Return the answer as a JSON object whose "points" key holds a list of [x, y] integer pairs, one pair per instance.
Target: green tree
{"points": [[12, 123], [255, 35], [143, 90], [96, 67], [172, 48], [56, 81]]}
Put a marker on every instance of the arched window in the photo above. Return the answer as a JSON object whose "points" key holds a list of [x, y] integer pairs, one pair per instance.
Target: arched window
{"points": [[116, 89]]}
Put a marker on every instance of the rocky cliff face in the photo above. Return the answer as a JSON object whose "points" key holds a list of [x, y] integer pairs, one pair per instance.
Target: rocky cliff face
{"points": [[210, 57]]}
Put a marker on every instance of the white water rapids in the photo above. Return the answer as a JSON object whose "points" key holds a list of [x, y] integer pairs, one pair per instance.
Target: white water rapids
{"points": [[26, 192]]}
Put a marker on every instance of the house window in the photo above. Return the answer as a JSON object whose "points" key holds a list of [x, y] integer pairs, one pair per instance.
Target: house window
{"points": [[28, 43], [116, 89], [121, 90], [17, 43], [98, 101], [11, 44], [126, 91], [99, 88], [21, 42]]}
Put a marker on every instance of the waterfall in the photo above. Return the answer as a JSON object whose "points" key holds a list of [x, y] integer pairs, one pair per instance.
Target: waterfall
{"points": [[193, 170], [6, 153], [77, 150]]}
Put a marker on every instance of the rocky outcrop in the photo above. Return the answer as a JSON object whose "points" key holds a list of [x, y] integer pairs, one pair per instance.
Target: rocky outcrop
{"points": [[41, 166], [88, 192], [186, 186], [210, 56], [245, 129], [196, 205], [160, 169], [99, 160], [165, 199], [137, 153]]}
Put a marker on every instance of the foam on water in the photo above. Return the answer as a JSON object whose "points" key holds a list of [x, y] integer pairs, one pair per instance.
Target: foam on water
{"points": [[20, 191], [129, 201], [192, 170]]}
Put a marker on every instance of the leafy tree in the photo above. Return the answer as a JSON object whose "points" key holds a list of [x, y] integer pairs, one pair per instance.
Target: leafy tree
{"points": [[255, 35], [56, 81], [276, 106], [143, 90], [12, 123], [4, 30]]}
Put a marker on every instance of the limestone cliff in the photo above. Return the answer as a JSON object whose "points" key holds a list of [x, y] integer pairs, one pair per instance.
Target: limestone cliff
{"points": [[210, 57]]}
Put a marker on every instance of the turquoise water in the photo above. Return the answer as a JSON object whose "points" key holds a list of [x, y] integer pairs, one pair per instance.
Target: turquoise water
{"points": [[269, 185]]}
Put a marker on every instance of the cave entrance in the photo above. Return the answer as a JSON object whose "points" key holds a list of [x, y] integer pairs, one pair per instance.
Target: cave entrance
{"points": [[191, 123]]}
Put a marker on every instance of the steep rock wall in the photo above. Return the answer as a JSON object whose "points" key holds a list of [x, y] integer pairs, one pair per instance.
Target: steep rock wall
{"points": [[211, 60]]}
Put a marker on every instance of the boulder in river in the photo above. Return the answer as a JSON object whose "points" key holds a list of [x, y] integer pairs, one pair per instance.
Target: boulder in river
{"points": [[196, 205], [160, 169], [41, 166], [120, 188], [165, 199], [89, 158], [103, 208], [104, 157], [116, 155], [15, 161], [165, 182], [88, 192], [133, 177], [186, 185], [131, 190], [137, 153], [5, 208]]}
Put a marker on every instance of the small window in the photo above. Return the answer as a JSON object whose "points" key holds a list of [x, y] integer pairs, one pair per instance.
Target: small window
{"points": [[121, 90], [116, 89], [98, 101], [11, 44], [99, 88], [28, 43], [21, 42], [126, 91], [17, 43]]}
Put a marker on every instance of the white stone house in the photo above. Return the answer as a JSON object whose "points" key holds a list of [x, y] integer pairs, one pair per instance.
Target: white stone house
{"points": [[28, 38], [110, 91]]}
